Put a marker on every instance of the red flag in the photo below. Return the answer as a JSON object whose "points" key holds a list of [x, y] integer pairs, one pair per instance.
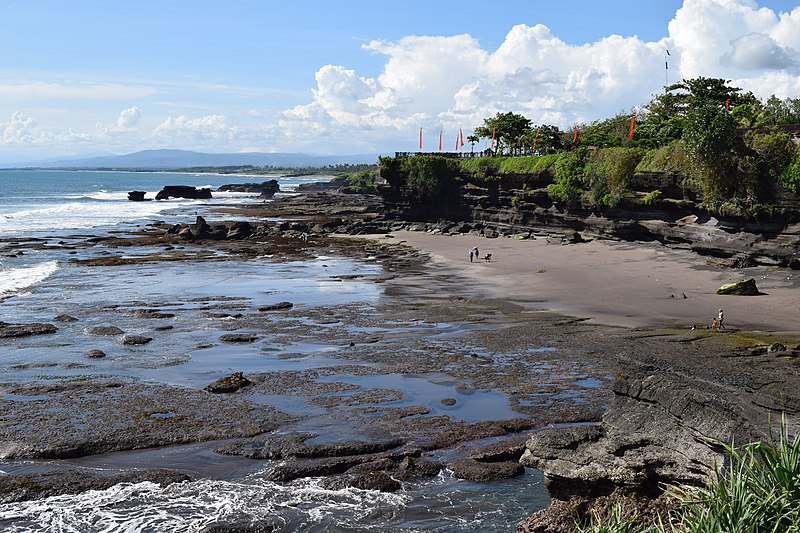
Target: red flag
{"points": [[456, 143], [727, 105], [440, 140], [461, 136], [494, 130], [630, 130], [420, 138], [574, 133], [536, 138]]}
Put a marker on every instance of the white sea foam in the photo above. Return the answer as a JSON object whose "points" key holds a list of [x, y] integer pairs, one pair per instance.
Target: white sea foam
{"points": [[13, 280], [193, 505]]}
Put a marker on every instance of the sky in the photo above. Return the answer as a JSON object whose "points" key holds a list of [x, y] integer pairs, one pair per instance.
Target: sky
{"points": [[90, 77]]}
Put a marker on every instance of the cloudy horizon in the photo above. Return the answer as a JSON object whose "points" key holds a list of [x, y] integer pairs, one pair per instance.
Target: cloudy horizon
{"points": [[368, 95]]}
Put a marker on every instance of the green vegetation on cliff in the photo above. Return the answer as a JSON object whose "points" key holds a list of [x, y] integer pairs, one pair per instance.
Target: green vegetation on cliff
{"points": [[717, 141]]}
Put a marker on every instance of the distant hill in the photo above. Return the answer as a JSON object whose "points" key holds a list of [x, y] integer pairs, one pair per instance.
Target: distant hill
{"points": [[172, 159]]}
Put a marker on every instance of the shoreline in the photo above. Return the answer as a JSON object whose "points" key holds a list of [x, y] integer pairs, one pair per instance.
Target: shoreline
{"points": [[619, 284]]}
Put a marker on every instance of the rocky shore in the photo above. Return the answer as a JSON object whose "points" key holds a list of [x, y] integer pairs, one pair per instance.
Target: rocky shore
{"points": [[604, 412]]}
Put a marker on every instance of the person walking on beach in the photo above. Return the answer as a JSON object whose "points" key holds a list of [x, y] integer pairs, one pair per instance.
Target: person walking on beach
{"points": [[471, 252], [720, 325], [475, 249]]}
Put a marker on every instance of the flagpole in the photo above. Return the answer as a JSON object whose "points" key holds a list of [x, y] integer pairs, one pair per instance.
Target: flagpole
{"points": [[666, 69]]}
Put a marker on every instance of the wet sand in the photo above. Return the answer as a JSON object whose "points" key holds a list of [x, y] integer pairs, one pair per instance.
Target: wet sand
{"points": [[631, 285]]}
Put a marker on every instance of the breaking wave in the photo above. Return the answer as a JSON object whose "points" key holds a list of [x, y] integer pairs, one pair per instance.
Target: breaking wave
{"points": [[13, 280]]}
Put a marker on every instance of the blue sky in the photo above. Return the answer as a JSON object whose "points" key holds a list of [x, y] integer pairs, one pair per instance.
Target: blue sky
{"points": [[88, 77]]}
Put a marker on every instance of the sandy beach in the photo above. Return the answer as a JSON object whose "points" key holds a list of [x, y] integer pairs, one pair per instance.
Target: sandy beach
{"points": [[606, 282]]}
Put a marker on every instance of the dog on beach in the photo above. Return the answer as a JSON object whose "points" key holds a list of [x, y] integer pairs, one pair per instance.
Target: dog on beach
{"points": [[487, 258]]}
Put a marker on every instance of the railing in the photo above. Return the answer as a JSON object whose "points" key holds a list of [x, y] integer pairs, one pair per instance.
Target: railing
{"points": [[452, 155]]}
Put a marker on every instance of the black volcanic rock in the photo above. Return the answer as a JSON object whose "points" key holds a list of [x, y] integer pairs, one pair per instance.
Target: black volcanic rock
{"points": [[25, 330], [183, 191], [136, 196], [266, 189]]}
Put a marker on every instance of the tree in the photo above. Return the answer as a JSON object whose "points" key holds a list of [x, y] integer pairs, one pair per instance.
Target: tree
{"points": [[508, 130], [709, 135], [472, 139]]}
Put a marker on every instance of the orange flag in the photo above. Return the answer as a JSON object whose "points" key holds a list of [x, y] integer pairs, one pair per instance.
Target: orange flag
{"points": [[440, 140], [456, 143], [630, 130], [536, 138], [420, 138], [461, 136], [727, 105], [494, 130], [574, 133]]}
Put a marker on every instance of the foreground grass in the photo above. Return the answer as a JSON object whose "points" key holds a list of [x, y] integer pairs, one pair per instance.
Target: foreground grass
{"points": [[757, 492]]}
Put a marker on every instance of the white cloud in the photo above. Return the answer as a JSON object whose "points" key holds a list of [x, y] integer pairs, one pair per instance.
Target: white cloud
{"points": [[451, 81], [436, 82], [94, 91], [205, 132], [128, 118]]}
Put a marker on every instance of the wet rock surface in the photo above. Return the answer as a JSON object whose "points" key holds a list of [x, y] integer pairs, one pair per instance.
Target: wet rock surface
{"points": [[25, 330], [228, 384], [34, 486], [632, 407]]}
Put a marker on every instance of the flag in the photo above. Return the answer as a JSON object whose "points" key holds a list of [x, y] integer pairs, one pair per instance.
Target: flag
{"points": [[420, 138], [461, 136], [630, 130], [494, 131], [574, 133], [457, 143], [727, 105], [440, 140], [667, 51], [536, 138]]}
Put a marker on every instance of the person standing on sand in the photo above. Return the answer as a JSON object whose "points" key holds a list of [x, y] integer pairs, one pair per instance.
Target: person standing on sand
{"points": [[720, 325], [475, 249], [471, 251]]}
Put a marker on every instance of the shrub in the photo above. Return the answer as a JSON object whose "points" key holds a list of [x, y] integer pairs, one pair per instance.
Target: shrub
{"points": [[429, 176], [790, 177], [652, 197], [570, 173]]}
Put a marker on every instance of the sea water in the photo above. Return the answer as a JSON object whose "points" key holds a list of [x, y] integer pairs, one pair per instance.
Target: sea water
{"points": [[69, 206]]}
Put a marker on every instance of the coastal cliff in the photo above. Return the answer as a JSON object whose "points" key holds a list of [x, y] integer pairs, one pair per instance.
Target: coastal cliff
{"points": [[519, 205]]}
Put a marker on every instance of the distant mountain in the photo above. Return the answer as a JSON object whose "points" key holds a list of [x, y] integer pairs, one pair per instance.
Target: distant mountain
{"points": [[172, 159]]}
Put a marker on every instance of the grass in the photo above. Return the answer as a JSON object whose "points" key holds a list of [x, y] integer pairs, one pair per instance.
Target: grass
{"points": [[758, 491]]}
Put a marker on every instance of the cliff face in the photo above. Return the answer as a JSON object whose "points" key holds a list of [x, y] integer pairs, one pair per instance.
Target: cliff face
{"points": [[516, 205]]}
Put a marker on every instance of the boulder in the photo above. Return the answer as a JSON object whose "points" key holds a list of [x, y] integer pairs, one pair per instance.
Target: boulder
{"points": [[104, 330], [135, 340], [65, 318], [136, 196], [276, 307], [239, 230], [25, 330], [183, 191], [200, 229], [228, 384], [95, 354], [740, 288], [238, 337]]}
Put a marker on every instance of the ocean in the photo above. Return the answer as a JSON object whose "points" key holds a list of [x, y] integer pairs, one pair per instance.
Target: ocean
{"points": [[43, 212]]}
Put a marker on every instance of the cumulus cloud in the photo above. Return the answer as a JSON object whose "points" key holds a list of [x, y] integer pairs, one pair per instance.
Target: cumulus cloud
{"points": [[19, 130], [445, 82], [203, 131], [128, 118]]}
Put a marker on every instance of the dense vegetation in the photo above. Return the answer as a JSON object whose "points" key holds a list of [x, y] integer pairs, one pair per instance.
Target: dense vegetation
{"points": [[726, 144], [329, 170]]}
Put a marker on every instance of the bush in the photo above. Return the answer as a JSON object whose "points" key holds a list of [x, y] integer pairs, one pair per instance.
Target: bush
{"points": [[790, 176], [652, 197], [429, 176], [570, 175]]}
